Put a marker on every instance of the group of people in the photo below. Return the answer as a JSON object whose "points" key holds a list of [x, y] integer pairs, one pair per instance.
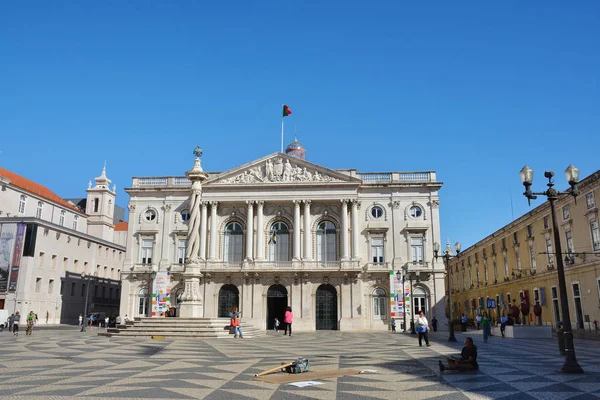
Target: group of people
{"points": [[288, 317], [234, 323], [484, 322], [14, 321]]}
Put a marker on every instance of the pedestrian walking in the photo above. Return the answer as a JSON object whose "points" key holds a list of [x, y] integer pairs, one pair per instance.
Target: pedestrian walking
{"points": [[16, 324], [478, 320], [503, 322], [423, 329], [30, 322], [463, 323], [393, 325], [287, 320], [276, 325], [11, 321], [80, 321], [487, 326], [434, 323], [106, 320], [91, 318]]}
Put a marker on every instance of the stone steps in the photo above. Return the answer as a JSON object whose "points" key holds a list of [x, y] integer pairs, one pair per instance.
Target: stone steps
{"points": [[180, 328]]}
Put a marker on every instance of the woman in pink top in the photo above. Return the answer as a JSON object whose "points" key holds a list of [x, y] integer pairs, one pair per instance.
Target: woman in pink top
{"points": [[287, 319]]}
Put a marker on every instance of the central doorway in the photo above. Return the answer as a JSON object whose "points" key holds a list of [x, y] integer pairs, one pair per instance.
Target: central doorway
{"points": [[277, 301], [229, 296], [326, 308]]}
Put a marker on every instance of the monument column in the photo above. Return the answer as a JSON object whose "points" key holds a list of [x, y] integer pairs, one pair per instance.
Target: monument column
{"points": [[250, 230], [191, 300], [307, 236], [212, 251], [203, 226], [355, 205], [260, 235], [296, 229], [344, 229]]}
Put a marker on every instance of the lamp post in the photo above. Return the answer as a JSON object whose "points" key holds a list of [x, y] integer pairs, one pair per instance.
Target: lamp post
{"points": [[89, 279], [151, 277], [400, 277], [447, 257], [572, 174]]}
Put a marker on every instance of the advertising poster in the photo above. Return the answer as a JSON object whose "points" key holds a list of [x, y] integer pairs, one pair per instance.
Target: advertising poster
{"points": [[7, 244], [161, 294], [399, 299], [16, 259]]}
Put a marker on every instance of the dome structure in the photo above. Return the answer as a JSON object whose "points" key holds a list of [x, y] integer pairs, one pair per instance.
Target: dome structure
{"points": [[295, 149]]}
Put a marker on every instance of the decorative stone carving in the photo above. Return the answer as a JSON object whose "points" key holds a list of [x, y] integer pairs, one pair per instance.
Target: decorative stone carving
{"points": [[192, 290], [131, 207], [278, 170]]}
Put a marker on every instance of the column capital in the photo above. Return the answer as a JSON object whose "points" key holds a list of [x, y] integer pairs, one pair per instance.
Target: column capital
{"points": [[297, 202], [250, 202], [214, 203], [344, 201], [355, 203], [260, 203], [204, 204], [306, 202]]}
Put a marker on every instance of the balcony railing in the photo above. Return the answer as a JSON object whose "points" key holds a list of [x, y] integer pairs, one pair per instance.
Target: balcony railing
{"points": [[399, 177]]}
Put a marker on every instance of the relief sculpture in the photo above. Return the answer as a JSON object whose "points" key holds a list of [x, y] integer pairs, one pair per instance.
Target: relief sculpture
{"points": [[278, 170]]}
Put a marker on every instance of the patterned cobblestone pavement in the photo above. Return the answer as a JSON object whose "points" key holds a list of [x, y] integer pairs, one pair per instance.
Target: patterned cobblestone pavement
{"points": [[61, 363]]}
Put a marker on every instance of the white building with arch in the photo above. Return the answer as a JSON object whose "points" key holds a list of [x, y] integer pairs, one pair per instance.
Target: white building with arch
{"points": [[281, 231]]}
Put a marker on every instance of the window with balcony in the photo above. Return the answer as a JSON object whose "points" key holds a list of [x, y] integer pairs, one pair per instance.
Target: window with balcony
{"points": [[495, 270], [147, 249], [233, 243], [532, 263], [485, 271], [22, 204], [505, 259], [589, 201], [416, 249], [326, 242], [377, 250], [546, 222], [181, 246], [529, 231], [566, 212], [569, 241], [279, 242], [515, 237], [595, 235], [549, 251], [503, 243]]}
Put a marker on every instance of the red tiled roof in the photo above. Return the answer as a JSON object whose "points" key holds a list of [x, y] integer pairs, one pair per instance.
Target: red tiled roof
{"points": [[121, 226], [35, 188]]}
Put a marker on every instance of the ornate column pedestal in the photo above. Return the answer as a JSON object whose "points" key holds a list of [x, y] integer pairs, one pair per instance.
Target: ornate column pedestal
{"points": [[191, 300]]}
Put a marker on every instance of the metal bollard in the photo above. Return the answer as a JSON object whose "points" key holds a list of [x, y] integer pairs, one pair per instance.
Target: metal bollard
{"points": [[561, 338]]}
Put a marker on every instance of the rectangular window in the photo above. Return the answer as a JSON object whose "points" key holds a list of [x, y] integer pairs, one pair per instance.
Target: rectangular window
{"points": [[75, 222], [503, 243], [22, 204], [85, 267], [75, 265], [566, 212], [549, 251], [416, 246], [62, 287], [536, 296], [485, 271], [73, 285], [112, 273], [515, 237], [505, 266], [53, 261], [377, 250], [595, 235], [532, 263], [42, 259], [508, 299], [61, 220], [65, 263], [181, 247], [147, 246], [546, 222], [569, 241], [555, 303], [493, 248], [589, 200], [529, 231], [518, 257], [38, 285], [50, 286], [40, 207], [495, 270]]}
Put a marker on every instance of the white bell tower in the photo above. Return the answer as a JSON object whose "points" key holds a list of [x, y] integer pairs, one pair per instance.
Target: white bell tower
{"points": [[100, 208]]}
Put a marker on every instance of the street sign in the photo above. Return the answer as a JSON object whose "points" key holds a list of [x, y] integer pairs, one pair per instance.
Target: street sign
{"points": [[491, 303]]}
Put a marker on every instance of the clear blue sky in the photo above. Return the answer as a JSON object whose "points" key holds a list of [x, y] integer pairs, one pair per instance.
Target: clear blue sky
{"points": [[473, 90]]}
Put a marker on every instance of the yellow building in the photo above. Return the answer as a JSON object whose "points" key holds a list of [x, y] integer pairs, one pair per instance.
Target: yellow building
{"points": [[516, 265]]}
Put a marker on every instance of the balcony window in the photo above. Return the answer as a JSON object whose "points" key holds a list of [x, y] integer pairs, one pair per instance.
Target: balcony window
{"points": [[529, 231], [181, 247], [377, 250], [589, 200], [566, 212], [147, 249], [416, 249], [569, 241], [532, 258], [279, 242], [515, 237], [326, 242], [549, 251], [546, 222], [595, 235], [233, 242]]}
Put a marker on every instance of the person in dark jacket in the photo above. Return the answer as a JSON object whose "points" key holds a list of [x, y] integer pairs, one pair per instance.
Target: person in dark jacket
{"points": [[467, 360]]}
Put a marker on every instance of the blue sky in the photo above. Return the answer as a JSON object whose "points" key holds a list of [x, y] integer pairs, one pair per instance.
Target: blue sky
{"points": [[474, 90]]}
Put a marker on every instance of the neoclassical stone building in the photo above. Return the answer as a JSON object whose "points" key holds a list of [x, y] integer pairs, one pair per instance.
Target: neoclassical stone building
{"points": [[282, 231]]}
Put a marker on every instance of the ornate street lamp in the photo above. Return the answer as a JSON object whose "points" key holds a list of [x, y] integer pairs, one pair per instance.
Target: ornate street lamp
{"points": [[572, 174], [447, 257], [89, 279]]}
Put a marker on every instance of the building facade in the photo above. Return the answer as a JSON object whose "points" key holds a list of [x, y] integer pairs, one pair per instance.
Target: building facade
{"points": [[46, 243], [516, 265], [281, 231]]}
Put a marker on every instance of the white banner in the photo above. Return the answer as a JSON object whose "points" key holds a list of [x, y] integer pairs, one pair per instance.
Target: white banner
{"points": [[7, 245]]}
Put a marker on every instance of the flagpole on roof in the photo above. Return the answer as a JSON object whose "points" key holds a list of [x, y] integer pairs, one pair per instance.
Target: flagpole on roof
{"points": [[282, 117]]}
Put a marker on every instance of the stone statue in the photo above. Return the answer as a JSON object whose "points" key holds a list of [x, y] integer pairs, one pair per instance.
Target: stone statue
{"points": [[198, 151], [287, 171]]}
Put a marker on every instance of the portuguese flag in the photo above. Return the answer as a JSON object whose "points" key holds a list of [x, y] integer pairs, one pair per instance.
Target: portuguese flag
{"points": [[286, 110]]}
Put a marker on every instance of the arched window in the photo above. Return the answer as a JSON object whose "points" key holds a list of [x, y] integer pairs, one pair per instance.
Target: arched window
{"points": [[326, 242], [279, 242], [379, 301], [96, 204], [143, 303], [40, 207], [232, 246], [22, 204]]}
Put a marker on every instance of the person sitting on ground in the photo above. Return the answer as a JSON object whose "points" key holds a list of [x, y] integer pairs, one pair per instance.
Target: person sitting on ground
{"points": [[467, 360], [235, 323]]}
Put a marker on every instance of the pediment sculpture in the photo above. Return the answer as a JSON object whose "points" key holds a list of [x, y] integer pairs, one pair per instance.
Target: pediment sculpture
{"points": [[279, 170]]}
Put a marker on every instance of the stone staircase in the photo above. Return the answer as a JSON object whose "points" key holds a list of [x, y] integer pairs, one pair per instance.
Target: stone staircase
{"points": [[182, 328]]}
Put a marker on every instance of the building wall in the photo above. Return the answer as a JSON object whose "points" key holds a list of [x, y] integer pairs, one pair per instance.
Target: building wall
{"points": [[582, 267]]}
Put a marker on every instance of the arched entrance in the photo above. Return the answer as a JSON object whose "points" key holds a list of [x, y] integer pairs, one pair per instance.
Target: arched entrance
{"points": [[420, 301], [229, 296], [326, 314], [277, 302]]}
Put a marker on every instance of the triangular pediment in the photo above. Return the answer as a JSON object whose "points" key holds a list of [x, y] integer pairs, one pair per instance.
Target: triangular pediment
{"points": [[280, 168]]}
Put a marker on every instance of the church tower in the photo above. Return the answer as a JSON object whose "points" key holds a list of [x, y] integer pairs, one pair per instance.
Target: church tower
{"points": [[100, 207]]}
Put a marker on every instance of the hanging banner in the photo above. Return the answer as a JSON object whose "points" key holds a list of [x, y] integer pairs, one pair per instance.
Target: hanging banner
{"points": [[399, 299], [161, 294], [17, 255], [7, 245]]}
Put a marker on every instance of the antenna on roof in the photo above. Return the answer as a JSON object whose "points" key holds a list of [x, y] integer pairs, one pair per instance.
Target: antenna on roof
{"points": [[105, 164]]}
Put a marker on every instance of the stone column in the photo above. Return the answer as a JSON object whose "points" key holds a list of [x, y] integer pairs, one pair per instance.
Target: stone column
{"points": [[344, 229], [307, 236], [212, 251], [260, 234], [250, 230], [191, 300], [203, 227], [297, 229], [355, 205]]}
